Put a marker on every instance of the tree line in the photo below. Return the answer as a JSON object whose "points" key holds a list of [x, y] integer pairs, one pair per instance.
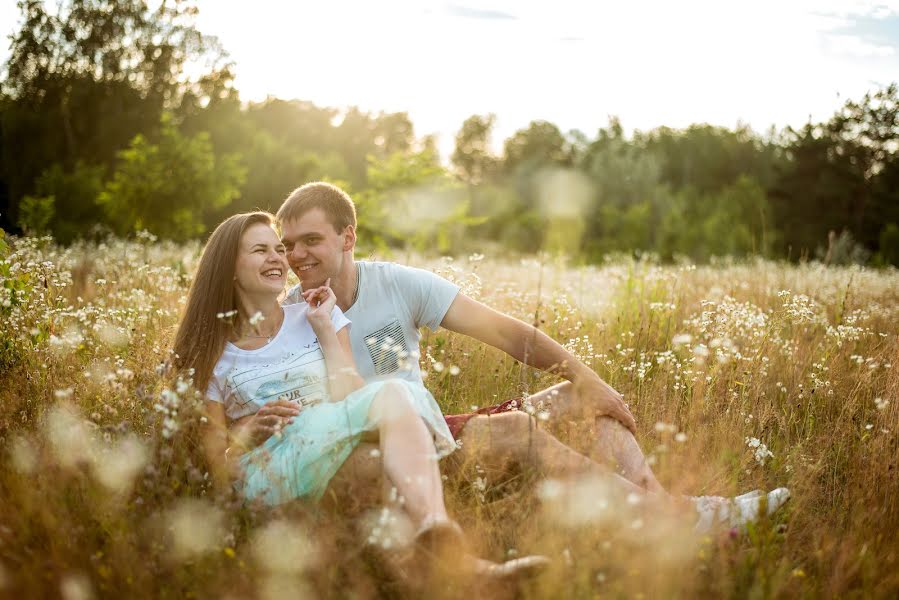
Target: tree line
{"points": [[108, 123]]}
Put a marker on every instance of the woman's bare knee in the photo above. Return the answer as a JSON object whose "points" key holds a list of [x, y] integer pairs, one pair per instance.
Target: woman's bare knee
{"points": [[393, 401]]}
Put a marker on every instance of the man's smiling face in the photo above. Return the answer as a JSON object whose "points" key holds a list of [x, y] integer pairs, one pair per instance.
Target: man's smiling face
{"points": [[315, 249]]}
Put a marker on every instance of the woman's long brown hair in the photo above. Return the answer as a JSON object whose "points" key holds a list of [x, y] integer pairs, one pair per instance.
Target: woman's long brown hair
{"points": [[202, 334]]}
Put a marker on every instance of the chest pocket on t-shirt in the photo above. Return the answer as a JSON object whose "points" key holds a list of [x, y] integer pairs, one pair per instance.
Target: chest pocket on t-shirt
{"points": [[387, 348]]}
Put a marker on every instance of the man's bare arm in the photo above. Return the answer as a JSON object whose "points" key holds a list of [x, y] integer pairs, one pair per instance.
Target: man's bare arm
{"points": [[531, 346]]}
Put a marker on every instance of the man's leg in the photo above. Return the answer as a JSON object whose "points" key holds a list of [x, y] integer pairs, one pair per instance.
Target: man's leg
{"points": [[358, 484], [612, 443], [497, 443]]}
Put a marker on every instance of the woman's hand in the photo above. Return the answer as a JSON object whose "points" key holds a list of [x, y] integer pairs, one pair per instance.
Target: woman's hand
{"points": [[273, 416], [320, 301]]}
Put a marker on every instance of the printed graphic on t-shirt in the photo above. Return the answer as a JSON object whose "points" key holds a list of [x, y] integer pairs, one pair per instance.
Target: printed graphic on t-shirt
{"points": [[387, 348], [300, 378]]}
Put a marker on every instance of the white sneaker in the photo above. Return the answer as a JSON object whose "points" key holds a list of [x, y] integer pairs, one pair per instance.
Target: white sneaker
{"points": [[751, 494], [715, 510], [708, 500]]}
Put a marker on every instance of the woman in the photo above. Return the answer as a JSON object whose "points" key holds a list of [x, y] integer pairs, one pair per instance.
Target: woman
{"points": [[249, 352]]}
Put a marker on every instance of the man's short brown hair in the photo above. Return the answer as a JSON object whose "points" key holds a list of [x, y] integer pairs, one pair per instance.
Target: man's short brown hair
{"points": [[333, 201]]}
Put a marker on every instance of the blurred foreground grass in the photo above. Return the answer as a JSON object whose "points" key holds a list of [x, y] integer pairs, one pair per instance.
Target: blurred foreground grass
{"points": [[741, 375]]}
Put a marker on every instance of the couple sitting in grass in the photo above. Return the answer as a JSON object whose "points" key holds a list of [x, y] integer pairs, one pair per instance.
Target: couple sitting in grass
{"points": [[298, 389]]}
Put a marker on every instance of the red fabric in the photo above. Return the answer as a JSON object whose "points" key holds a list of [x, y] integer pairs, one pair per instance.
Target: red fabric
{"points": [[457, 422]]}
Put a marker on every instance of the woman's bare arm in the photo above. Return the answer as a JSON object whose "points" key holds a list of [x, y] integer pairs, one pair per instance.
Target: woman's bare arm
{"points": [[215, 442], [343, 378]]}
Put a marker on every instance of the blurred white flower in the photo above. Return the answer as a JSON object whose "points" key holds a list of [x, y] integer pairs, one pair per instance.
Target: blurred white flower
{"points": [[550, 489], [388, 528], [111, 335], [282, 547], [76, 586], [63, 394], [69, 436], [23, 456], [117, 468], [681, 339], [195, 528], [583, 501], [662, 427]]}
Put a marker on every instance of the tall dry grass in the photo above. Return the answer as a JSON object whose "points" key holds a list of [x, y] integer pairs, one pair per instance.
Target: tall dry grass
{"points": [[741, 375]]}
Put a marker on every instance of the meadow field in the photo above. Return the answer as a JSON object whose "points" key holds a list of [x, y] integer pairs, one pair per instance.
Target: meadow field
{"points": [[741, 375]]}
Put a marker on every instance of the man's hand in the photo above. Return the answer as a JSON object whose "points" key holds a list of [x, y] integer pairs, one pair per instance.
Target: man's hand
{"points": [[596, 394], [253, 430]]}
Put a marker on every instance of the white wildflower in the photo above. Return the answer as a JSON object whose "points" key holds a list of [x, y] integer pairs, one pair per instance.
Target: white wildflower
{"points": [[283, 547], [681, 339], [761, 453], [195, 528], [63, 394]]}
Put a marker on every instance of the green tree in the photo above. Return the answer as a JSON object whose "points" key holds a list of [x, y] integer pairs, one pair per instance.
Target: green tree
{"points": [[75, 194], [413, 202], [474, 161], [889, 244], [709, 158], [841, 175], [628, 197], [540, 144], [87, 75], [815, 191], [35, 214], [867, 134], [170, 186], [273, 169]]}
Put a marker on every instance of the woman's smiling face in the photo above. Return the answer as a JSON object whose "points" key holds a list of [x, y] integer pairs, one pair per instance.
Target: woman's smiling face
{"points": [[261, 261]]}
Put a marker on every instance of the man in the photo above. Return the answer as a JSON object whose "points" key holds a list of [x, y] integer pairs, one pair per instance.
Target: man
{"points": [[388, 303]]}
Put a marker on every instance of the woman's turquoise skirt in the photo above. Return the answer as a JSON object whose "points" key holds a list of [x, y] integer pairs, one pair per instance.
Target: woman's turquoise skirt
{"points": [[301, 460]]}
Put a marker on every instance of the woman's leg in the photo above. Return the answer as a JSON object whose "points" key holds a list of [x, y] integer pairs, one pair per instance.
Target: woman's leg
{"points": [[408, 453]]}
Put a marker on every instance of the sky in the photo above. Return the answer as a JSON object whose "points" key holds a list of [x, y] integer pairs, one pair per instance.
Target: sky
{"points": [[575, 63]]}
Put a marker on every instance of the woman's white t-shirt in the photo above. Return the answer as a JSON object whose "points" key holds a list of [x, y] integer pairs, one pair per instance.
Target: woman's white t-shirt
{"points": [[291, 366]]}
